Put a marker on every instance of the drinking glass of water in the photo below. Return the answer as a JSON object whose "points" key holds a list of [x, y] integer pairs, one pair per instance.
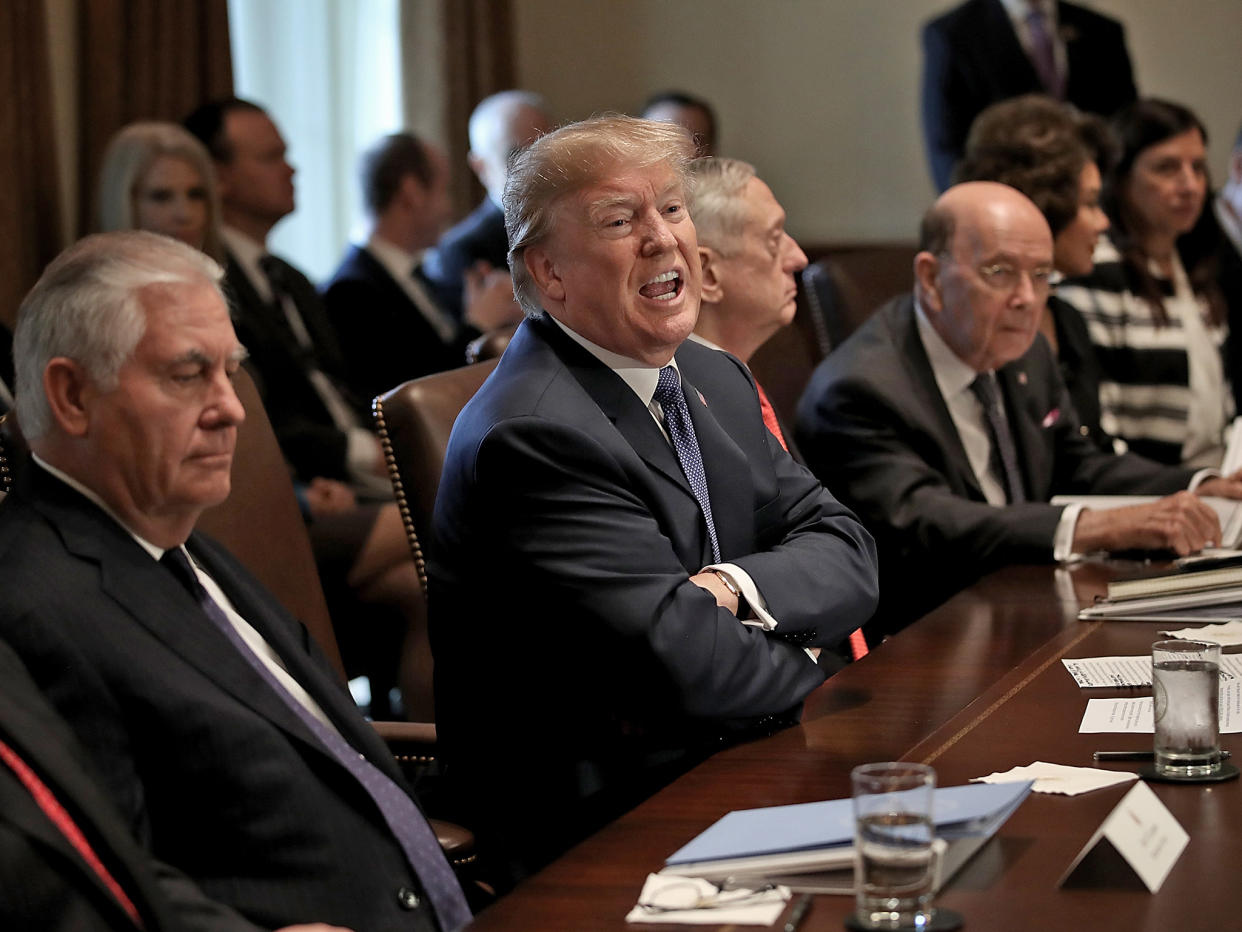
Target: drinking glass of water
{"points": [[893, 835], [1185, 679]]}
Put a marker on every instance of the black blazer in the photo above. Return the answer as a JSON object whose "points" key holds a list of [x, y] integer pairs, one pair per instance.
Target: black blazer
{"points": [[972, 58], [45, 885], [308, 436], [209, 767], [565, 629], [873, 425], [383, 335], [480, 235]]}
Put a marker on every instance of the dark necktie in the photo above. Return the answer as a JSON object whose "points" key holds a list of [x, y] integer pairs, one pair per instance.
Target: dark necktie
{"points": [[1004, 453], [1043, 55], [64, 823], [681, 431], [404, 819]]}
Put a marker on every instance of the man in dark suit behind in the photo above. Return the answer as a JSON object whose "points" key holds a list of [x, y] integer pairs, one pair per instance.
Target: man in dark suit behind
{"points": [[944, 422], [220, 732], [322, 427], [477, 249], [379, 300], [983, 51], [658, 614]]}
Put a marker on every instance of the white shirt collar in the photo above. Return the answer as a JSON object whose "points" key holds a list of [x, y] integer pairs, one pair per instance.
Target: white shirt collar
{"points": [[247, 252], [156, 552], [1018, 11], [952, 375], [395, 260], [639, 376]]}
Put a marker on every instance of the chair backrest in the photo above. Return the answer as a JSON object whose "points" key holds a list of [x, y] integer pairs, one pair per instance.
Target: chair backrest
{"points": [[414, 421], [261, 525]]}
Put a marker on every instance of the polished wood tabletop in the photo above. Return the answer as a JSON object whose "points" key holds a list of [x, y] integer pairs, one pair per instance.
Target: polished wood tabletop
{"points": [[975, 687]]}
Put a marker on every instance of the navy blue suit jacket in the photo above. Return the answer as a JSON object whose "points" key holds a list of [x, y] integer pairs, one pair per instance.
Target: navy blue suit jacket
{"points": [[565, 628]]}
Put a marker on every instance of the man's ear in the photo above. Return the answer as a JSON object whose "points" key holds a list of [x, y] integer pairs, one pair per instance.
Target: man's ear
{"points": [[68, 390], [927, 281], [543, 271], [413, 192], [713, 286]]}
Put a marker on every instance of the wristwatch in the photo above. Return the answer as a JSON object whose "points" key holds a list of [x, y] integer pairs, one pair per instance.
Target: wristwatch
{"points": [[743, 608]]}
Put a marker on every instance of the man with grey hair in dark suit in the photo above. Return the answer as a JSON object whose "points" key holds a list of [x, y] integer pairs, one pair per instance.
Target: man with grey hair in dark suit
{"points": [[220, 731]]}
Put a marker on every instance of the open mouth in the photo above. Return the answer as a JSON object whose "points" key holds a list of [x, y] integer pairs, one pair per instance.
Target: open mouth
{"points": [[664, 287]]}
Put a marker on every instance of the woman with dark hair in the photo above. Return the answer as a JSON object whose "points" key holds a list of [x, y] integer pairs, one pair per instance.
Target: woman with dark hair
{"points": [[1152, 305], [1052, 154]]}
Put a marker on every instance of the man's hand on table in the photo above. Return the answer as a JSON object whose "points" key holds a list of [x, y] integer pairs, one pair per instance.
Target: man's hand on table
{"points": [[1181, 523]]}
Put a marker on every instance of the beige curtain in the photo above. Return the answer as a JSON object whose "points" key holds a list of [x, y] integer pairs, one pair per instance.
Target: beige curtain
{"points": [[144, 60], [454, 53], [30, 223]]}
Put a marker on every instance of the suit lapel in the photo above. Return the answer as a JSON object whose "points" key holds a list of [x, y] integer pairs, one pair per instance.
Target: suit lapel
{"points": [[618, 402], [157, 601], [1027, 433], [925, 392], [1006, 52]]}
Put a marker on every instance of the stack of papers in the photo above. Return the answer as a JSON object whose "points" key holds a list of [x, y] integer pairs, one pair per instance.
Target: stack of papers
{"points": [[1090, 672]]}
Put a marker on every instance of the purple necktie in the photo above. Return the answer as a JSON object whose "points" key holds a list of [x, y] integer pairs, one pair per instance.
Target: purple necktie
{"points": [[681, 431], [404, 819], [1004, 453], [1043, 54]]}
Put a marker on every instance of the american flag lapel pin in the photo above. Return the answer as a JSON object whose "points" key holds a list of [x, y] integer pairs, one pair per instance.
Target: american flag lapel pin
{"points": [[1021, 378], [1051, 417]]}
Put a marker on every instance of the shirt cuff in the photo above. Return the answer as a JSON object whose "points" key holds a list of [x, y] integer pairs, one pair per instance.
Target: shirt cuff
{"points": [[1063, 539], [1202, 476], [745, 585]]}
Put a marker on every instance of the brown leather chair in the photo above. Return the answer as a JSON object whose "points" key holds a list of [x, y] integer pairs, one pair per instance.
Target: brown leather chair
{"points": [[261, 525], [490, 345], [414, 421]]}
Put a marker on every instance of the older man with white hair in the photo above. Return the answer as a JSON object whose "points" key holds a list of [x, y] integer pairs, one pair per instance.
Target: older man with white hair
{"points": [[221, 733]]}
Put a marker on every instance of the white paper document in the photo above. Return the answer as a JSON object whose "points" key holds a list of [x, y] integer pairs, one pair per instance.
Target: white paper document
{"points": [[1228, 634], [1060, 778], [1136, 716], [1090, 672]]}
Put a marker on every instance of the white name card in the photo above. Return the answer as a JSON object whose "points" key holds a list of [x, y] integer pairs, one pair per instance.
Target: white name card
{"points": [[1140, 838]]}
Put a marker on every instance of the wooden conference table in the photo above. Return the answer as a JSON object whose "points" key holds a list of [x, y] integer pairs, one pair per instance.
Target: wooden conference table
{"points": [[975, 687]]}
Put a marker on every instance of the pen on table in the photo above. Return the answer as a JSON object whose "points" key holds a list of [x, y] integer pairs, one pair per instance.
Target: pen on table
{"points": [[1135, 755], [801, 908]]}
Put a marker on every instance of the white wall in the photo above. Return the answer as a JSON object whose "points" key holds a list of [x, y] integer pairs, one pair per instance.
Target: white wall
{"points": [[822, 95]]}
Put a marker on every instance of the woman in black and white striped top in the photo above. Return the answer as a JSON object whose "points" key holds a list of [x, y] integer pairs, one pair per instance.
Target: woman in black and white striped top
{"points": [[1152, 307]]}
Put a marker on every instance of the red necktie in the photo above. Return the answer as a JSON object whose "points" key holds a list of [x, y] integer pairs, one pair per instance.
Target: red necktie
{"points": [[64, 822], [769, 417], [858, 643]]}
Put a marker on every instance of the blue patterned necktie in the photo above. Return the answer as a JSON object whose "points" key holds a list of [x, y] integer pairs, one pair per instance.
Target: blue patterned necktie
{"points": [[1004, 453], [681, 431], [404, 819]]}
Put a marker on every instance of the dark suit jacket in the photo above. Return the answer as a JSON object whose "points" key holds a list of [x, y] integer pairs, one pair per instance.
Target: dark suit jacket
{"points": [[481, 235], [381, 331], [1080, 368], [972, 58], [211, 770], [45, 885], [307, 434], [874, 426], [565, 629]]}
